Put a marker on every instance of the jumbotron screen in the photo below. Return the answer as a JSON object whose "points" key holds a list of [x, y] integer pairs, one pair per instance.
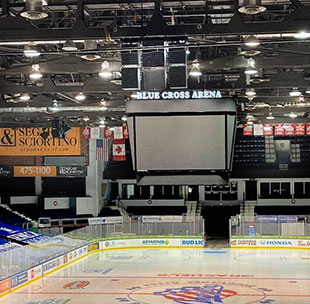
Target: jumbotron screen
{"points": [[181, 142]]}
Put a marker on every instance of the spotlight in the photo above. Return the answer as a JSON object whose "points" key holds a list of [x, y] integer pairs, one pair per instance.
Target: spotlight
{"points": [[31, 51], [295, 93], [105, 71], [250, 92], [292, 115], [69, 46], [302, 35], [80, 97], [24, 97], [251, 41], [195, 70], [270, 116], [35, 73]]}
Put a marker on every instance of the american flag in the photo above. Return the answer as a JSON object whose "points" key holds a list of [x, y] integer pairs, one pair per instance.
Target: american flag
{"points": [[102, 149]]}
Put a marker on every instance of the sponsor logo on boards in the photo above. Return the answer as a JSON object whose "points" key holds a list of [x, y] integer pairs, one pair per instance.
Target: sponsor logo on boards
{"points": [[192, 242]]}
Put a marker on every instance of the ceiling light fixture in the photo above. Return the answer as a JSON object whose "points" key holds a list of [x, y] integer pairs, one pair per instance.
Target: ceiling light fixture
{"points": [[54, 107], [24, 97], [249, 116], [295, 93], [250, 92], [134, 95], [91, 47], [292, 115], [307, 90], [124, 118], [80, 96], [195, 70], [251, 41], [250, 70], [302, 35], [270, 116], [105, 70], [69, 46], [33, 10], [252, 7], [35, 73], [31, 51]]}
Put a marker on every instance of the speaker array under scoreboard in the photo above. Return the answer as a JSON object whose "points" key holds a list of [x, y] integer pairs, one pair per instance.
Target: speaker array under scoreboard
{"points": [[131, 70], [153, 69]]}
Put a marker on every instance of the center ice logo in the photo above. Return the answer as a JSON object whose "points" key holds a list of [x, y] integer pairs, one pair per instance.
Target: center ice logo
{"points": [[209, 294]]}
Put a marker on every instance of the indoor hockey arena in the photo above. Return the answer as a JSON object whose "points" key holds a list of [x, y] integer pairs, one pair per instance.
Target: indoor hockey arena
{"points": [[154, 152]]}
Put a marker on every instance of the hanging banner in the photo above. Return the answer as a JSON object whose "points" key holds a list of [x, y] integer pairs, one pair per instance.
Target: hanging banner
{"points": [[108, 133], [289, 129], [95, 132], [279, 129], [118, 133], [38, 142], [247, 130], [268, 129], [86, 132], [125, 132], [259, 130], [300, 129], [119, 152], [308, 129]]}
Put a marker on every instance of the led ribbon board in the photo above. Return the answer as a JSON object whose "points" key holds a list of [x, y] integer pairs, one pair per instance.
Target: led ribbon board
{"points": [[178, 95]]}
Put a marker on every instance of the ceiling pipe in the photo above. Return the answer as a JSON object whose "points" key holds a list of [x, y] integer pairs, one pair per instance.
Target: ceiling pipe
{"points": [[50, 109]]}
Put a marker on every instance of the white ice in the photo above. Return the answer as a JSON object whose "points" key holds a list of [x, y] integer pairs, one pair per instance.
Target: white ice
{"points": [[175, 276]]}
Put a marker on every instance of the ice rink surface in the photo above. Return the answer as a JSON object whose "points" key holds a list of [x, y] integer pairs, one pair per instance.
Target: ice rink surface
{"points": [[153, 276]]}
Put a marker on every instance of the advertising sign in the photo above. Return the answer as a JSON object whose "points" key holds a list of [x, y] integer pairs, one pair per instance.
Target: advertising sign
{"points": [[192, 242], [270, 243], [34, 273], [162, 219], [5, 286], [19, 279], [38, 142], [6, 171], [71, 171], [31, 171], [105, 220]]}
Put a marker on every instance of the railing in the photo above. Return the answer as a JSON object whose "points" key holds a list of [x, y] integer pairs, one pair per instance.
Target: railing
{"points": [[22, 258], [281, 226], [138, 227]]}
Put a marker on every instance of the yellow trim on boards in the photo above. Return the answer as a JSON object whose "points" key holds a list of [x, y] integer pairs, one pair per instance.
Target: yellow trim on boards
{"points": [[95, 251]]}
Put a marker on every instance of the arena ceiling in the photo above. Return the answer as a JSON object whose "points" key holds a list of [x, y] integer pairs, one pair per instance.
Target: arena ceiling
{"points": [[214, 32]]}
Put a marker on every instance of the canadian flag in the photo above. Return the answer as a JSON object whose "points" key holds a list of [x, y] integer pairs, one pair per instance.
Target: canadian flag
{"points": [[108, 133], [119, 152]]}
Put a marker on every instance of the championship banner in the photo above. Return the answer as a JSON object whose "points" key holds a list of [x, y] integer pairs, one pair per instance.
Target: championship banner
{"points": [[279, 129], [247, 130], [38, 142], [289, 129], [300, 129], [268, 129]]}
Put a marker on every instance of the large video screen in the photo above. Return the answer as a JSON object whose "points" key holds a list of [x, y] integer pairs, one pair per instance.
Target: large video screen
{"points": [[181, 142]]}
